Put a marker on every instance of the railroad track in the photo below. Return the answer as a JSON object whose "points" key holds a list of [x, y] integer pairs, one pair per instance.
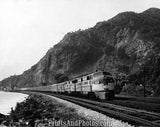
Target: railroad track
{"points": [[133, 116], [138, 99]]}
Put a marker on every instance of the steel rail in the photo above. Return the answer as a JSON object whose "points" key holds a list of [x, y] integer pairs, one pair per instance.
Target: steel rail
{"points": [[118, 107], [98, 106]]}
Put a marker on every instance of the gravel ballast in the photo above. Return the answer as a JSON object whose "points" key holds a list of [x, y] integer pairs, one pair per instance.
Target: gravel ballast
{"points": [[94, 118], [42, 110]]}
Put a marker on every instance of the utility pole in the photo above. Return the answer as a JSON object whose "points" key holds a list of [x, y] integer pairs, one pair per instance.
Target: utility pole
{"points": [[144, 82], [144, 85]]}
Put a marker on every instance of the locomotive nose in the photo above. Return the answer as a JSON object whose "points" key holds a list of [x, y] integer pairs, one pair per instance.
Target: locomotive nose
{"points": [[105, 87]]}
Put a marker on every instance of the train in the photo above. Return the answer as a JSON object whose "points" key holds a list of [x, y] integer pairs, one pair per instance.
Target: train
{"points": [[99, 84]]}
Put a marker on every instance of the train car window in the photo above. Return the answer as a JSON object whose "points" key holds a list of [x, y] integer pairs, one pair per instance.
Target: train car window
{"points": [[75, 81], [79, 83], [85, 82], [81, 79], [88, 77]]}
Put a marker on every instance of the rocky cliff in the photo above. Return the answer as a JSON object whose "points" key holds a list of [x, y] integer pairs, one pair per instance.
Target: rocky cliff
{"points": [[125, 44]]}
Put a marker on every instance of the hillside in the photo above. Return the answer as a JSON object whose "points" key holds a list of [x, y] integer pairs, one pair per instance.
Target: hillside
{"points": [[123, 45]]}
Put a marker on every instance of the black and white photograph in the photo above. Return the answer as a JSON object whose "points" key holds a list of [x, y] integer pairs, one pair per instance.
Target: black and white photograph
{"points": [[79, 63]]}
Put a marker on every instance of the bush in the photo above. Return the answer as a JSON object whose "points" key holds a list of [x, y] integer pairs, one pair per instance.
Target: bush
{"points": [[37, 108]]}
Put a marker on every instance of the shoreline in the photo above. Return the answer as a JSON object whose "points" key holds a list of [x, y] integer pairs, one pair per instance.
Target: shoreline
{"points": [[45, 110], [9, 100], [37, 110]]}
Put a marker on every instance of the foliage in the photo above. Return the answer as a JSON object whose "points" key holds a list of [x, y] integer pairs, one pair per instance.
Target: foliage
{"points": [[37, 108]]}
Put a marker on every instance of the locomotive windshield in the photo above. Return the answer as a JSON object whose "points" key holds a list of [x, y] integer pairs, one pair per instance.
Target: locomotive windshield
{"points": [[108, 80], [106, 73]]}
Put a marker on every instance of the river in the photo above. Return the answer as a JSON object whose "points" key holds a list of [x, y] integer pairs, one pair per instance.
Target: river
{"points": [[10, 99]]}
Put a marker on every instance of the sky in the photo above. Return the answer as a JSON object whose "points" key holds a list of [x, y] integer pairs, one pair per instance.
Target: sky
{"points": [[28, 28]]}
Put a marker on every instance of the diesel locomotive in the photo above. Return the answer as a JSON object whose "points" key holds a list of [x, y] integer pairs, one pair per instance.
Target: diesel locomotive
{"points": [[98, 84]]}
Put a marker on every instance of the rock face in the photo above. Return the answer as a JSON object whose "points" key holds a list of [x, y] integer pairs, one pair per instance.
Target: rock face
{"points": [[124, 44]]}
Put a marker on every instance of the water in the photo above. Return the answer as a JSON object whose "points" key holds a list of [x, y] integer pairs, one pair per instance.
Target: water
{"points": [[8, 100]]}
